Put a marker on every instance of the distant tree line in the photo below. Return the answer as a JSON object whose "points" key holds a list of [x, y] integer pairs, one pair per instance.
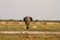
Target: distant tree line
{"points": [[46, 20], [11, 20], [33, 20]]}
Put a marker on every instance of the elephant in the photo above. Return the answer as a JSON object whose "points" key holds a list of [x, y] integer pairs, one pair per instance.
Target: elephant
{"points": [[27, 21]]}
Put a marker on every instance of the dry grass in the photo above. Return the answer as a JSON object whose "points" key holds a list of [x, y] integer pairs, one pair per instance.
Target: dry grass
{"points": [[34, 26], [29, 37]]}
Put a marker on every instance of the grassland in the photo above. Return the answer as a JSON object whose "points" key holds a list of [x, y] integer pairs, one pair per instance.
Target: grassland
{"points": [[29, 37], [34, 26]]}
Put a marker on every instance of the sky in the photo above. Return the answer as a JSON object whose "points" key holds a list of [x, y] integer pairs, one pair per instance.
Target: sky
{"points": [[37, 9]]}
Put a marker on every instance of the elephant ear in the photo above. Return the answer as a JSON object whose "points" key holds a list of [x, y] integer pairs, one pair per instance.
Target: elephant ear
{"points": [[24, 19], [31, 18]]}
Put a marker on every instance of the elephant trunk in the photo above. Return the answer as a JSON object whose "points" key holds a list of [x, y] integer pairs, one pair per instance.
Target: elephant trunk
{"points": [[27, 25]]}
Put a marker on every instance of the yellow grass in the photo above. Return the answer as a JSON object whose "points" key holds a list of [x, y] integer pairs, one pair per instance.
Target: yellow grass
{"points": [[29, 36], [39, 26]]}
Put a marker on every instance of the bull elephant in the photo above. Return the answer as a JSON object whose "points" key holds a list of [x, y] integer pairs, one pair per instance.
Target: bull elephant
{"points": [[27, 21]]}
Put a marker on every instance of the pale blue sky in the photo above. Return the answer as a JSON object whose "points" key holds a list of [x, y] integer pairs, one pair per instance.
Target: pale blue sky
{"points": [[38, 9]]}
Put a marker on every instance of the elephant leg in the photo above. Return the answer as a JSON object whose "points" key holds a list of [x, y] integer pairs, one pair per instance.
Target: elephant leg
{"points": [[27, 26]]}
